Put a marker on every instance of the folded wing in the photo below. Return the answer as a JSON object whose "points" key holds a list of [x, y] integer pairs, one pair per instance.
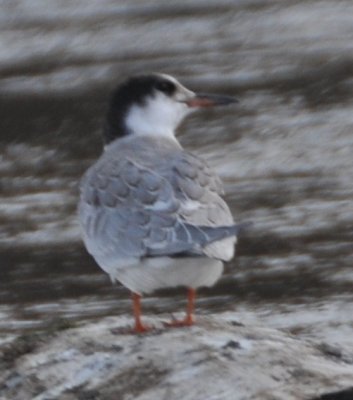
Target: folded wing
{"points": [[129, 211]]}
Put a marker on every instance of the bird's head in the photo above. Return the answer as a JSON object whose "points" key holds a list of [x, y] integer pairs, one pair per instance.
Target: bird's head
{"points": [[153, 105]]}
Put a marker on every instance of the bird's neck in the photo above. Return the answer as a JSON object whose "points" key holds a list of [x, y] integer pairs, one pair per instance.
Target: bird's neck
{"points": [[151, 145]]}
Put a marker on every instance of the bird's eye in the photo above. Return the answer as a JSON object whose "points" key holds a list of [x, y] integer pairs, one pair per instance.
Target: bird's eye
{"points": [[166, 87]]}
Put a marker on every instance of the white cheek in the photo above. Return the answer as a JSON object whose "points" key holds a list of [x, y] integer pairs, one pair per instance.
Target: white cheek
{"points": [[160, 115]]}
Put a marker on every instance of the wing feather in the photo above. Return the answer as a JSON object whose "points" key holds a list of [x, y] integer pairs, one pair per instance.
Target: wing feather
{"points": [[129, 211]]}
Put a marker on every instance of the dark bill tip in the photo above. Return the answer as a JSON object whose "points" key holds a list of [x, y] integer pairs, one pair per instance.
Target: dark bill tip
{"points": [[210, 100]]}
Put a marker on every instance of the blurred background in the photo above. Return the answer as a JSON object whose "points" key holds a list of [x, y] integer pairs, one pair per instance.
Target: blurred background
{"points": [[284, 153]]}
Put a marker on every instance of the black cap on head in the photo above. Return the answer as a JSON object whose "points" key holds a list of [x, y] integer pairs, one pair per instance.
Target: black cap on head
{"points": [[133, 91]]}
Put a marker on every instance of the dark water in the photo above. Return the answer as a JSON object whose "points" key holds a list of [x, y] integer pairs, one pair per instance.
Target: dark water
{"points": [[285, 153]]}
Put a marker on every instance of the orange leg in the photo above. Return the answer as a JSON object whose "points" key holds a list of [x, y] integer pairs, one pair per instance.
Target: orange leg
{"points": [[189, 318], [139, 327]]}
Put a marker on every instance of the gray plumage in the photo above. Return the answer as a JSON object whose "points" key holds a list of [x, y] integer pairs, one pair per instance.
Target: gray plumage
{"points": [[151, 213], [139, 200]]}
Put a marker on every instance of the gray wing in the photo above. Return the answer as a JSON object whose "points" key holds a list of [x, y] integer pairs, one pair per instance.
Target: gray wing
{"points": [[199, 190], [193, 239], [128, 211]]}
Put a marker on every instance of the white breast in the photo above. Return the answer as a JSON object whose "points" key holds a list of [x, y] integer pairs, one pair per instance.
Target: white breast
{"points": [[156, 273]]}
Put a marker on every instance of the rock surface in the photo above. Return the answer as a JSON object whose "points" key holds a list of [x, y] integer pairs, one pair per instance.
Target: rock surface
{"points": [[219, 358]]}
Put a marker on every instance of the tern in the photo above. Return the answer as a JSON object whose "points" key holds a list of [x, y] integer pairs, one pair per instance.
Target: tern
{"points": [[151, 213]]}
